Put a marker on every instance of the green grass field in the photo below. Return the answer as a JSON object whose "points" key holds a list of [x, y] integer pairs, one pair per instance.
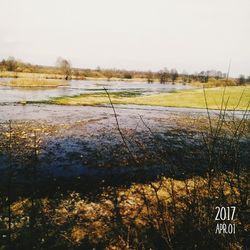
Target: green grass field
{"points": [[238, 97]]}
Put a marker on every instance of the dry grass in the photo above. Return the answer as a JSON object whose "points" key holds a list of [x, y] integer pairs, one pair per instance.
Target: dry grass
{"points": [[212, 82], [35, 83], [138, 208]]}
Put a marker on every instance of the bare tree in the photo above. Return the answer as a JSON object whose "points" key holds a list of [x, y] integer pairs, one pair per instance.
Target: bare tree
{"points": [[150, 77], [174, 75], [65, 67], [241, 80], [164, 75], [11, 64], [248, 80], [185, 77], [108, 74]]}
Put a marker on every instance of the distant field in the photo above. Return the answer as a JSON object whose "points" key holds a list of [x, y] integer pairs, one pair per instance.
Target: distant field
{"points": [[238, 97], [22, 82]]}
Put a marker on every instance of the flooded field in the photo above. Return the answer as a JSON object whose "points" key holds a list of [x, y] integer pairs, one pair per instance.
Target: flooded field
{"points": [[84, 140], [76, 87], [126, 156], [124, 125]]}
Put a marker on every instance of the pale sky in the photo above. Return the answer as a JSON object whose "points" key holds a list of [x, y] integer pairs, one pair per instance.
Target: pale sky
{"points": [[191, 35]]}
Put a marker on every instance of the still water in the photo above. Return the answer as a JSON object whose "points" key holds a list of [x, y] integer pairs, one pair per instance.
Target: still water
{"points": [[16, 94]]}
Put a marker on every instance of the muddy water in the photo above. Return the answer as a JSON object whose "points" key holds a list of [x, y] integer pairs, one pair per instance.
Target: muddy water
{"points": [[76, 87]]}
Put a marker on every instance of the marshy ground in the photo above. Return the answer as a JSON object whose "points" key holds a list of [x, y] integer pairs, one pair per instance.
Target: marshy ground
{"points": [[85, 139], [72, 178]]}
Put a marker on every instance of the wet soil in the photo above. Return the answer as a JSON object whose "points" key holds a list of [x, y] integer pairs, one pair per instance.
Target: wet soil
{"points": [[85, 141]]}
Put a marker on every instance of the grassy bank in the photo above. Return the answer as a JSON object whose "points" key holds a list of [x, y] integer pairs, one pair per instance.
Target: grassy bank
{"points": [[182, 98], [10, 74], [36, 83]]}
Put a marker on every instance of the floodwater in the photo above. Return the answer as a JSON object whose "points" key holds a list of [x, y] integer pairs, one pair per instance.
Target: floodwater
{"points": [[16, 94], [87, 141], [87, 137], [55, 114]]}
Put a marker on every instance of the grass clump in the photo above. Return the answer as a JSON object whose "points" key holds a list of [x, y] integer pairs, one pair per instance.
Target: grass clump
{"points": [[36, 83]]}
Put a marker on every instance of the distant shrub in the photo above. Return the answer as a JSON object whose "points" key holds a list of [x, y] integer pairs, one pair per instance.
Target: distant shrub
{"points": [[127, 76], [212, 82]]}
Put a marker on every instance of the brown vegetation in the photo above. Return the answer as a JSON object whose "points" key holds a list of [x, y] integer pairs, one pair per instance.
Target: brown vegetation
{"points": [[63, 70]]}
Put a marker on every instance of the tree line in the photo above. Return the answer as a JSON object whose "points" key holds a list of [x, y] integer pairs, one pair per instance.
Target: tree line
{"points": [[63, 69]]}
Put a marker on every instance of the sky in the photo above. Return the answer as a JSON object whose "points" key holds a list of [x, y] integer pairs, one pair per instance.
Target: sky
{"points": [[190, 35]]}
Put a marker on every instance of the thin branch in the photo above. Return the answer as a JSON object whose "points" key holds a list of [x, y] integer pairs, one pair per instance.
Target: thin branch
{"points": [[119, 129]]}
